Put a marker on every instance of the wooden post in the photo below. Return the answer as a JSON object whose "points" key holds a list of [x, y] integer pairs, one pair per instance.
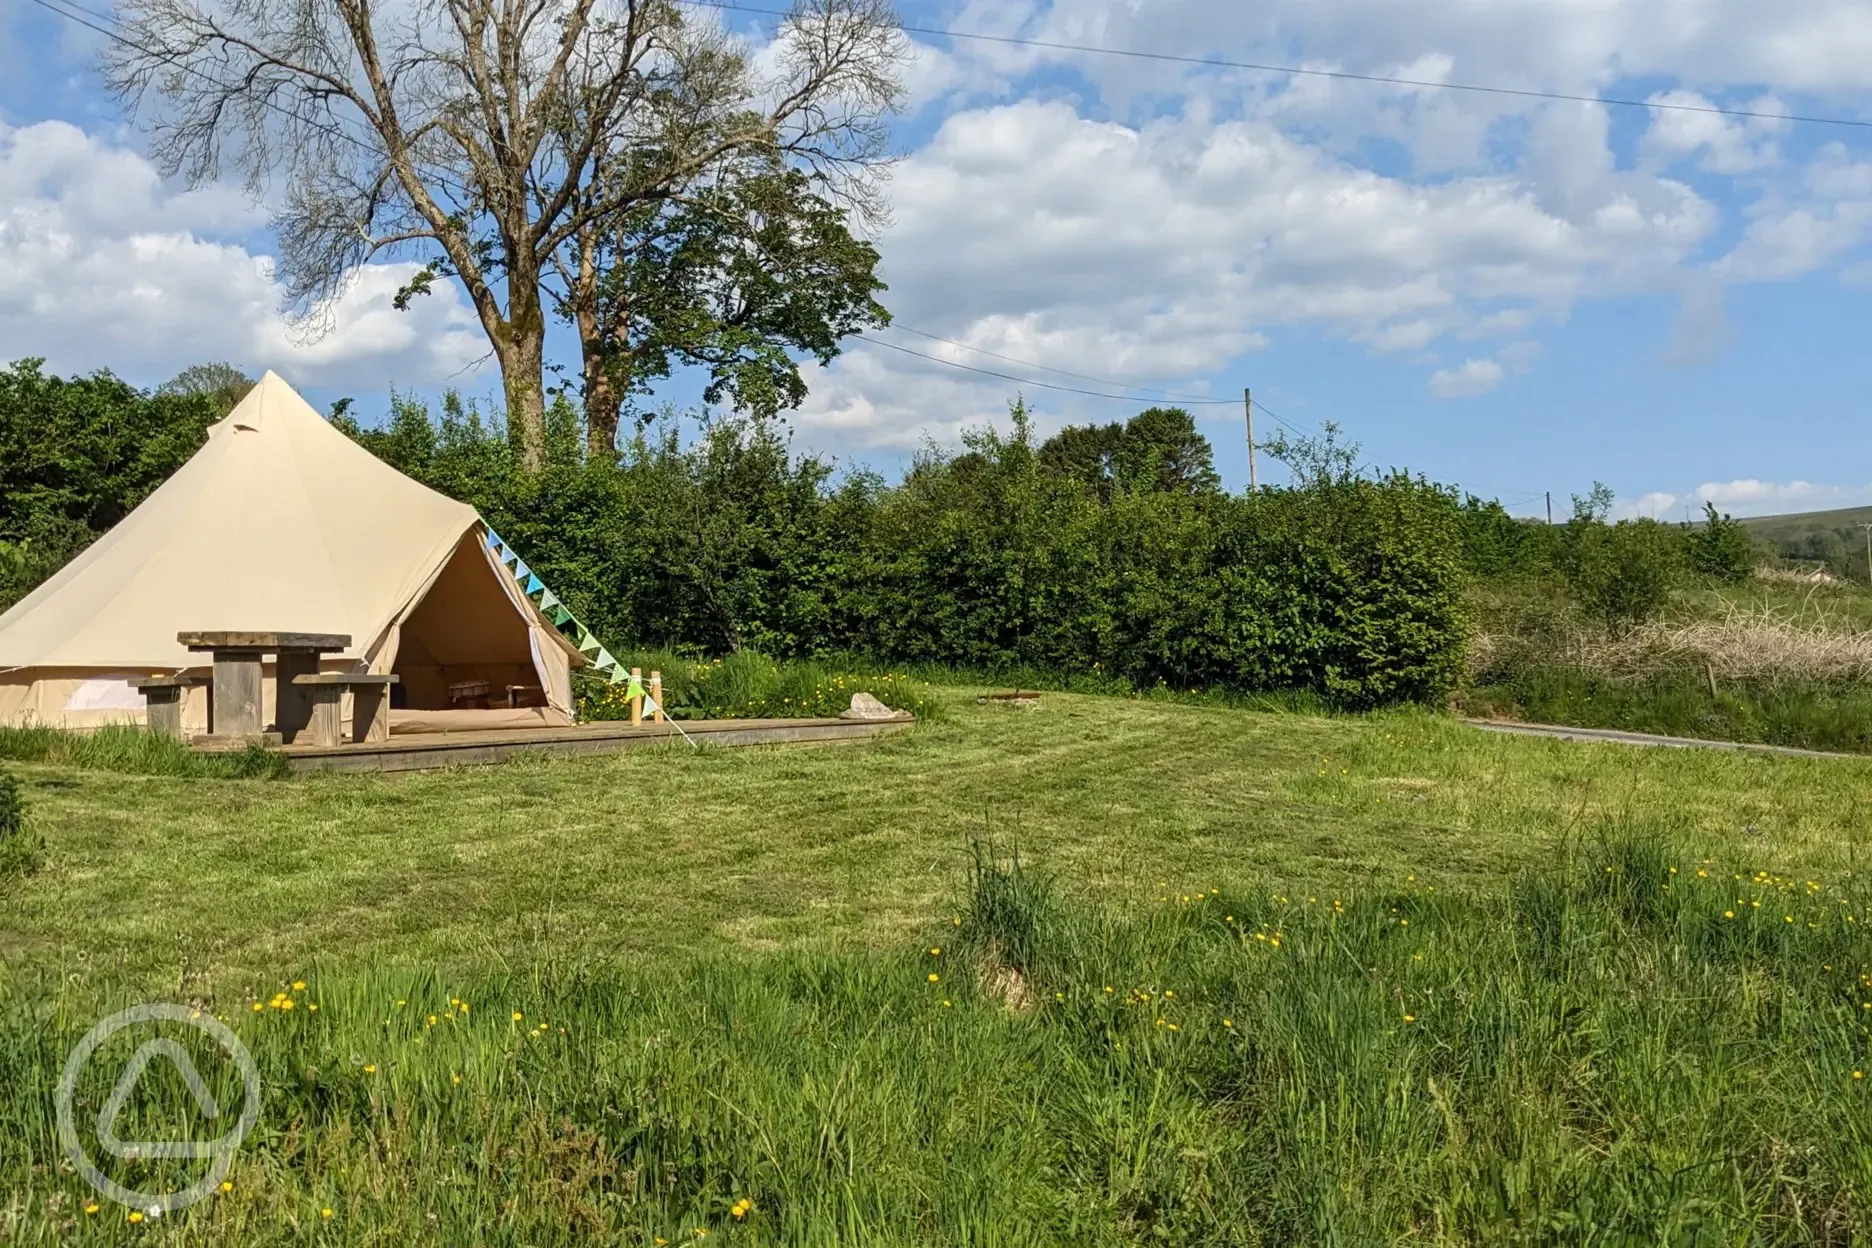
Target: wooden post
{"points": [[637, 700], [236, 694], [293, 704], [656, 695], [163, 711], [1248, 405], [327, 723], [370, 712]]}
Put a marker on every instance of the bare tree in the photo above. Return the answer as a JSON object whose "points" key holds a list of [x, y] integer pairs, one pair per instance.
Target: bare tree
{"points": [[488, 137]]}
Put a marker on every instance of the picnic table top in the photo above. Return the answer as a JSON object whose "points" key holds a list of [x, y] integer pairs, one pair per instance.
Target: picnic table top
{"points": [[251, 640]]}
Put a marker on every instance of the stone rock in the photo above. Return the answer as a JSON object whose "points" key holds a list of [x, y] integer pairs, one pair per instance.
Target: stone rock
{"points": [[864, 706]]}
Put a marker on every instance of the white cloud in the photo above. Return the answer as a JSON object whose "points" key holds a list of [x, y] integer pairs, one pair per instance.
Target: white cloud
{"points": [[101, 265], [1471, 378], [1157, 253], [1745, 496], [1653, 506]]}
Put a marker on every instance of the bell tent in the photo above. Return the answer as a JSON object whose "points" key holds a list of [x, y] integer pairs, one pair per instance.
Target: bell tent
{"points": [[281, 522]]}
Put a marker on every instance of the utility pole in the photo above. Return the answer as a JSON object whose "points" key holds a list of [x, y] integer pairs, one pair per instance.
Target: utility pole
{"points": [[1868, 533], [1549, 506], [1248, 406]]}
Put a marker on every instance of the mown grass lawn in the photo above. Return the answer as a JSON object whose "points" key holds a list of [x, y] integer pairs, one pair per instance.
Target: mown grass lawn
{"points": [[1295, 980], [212, 883]]}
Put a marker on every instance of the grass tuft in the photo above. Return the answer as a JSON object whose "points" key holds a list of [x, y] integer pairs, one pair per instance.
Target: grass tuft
{"points": [[136, 751]]}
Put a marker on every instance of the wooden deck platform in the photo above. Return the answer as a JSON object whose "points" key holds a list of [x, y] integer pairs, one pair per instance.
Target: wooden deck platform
{"points": [[422, 751]]}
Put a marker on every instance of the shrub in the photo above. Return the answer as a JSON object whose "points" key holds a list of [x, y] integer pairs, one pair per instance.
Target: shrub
{"points": [[1622, 573], [1722, 548], [19, 853]]}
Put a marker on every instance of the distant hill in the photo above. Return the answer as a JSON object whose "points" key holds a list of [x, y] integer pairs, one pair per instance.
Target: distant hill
{"points": [[1832, 538]]}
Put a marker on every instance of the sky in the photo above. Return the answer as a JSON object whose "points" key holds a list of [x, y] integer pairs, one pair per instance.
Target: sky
{"points": [[1521, 296]]}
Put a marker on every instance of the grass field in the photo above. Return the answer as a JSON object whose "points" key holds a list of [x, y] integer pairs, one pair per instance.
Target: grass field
{"points": [[1371, 978]]}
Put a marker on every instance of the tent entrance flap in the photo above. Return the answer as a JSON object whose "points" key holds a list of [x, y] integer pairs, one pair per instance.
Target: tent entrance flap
{"points": [[467, 630]]}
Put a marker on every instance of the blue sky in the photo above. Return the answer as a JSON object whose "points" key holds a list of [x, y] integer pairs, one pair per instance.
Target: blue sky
{"points": [[1522, 296]]}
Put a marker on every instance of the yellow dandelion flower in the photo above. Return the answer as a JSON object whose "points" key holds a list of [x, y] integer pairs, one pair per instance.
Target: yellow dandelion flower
{"points": [[934, 977], [311, 1007], [325, 1212], [1410, 1018], [1228, 1022], [518, 1016], [135, 1215], [455, 1079], [91, 1209], [226, 1186], [370, 1069], [935, 951]]}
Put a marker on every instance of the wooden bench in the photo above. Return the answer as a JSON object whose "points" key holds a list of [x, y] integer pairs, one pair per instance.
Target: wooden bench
{"points": [[370, 705], [162, 700]]}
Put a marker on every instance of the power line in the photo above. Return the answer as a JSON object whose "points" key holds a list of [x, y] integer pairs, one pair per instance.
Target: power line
{"points": [[1339, 74], [1103, 381], [1023, 381], [1047, 385]]}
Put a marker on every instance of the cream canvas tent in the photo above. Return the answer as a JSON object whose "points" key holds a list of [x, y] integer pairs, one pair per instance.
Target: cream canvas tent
{"points": [[282, 523]]}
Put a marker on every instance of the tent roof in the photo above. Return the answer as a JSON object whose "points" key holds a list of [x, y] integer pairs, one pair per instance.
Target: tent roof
{"points": [[280, 522]]}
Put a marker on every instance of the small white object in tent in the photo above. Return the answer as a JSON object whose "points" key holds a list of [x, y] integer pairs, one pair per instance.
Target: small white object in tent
{"points": [[282, 523]]}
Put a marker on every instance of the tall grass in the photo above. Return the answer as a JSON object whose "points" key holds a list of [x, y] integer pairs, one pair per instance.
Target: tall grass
{"points": [[1631, 1045], [135, 750], [752, 686]]}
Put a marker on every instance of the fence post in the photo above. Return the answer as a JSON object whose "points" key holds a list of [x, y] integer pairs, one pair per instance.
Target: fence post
{"points": [[656, 695], [637, 698]]}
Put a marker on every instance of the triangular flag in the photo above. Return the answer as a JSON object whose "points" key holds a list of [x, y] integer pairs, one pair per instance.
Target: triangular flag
{"points": [[561, 616], [586, 641], [549, 600], [619, 676], [509, 557], [534, 585], [651, 706], [494, 541], [636, 689], [604, 661], [521, 571]]}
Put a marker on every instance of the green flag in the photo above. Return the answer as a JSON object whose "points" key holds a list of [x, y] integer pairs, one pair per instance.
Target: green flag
{"points": [[561, 616], [604, 662], [636, 689], [586, 642]]}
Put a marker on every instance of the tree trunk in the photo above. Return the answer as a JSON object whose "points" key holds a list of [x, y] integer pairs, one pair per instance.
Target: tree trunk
{"points": [[523, 368], [602, 400]]}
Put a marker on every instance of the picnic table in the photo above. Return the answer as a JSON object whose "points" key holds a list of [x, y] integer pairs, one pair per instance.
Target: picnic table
{"points": [[235, 709]]}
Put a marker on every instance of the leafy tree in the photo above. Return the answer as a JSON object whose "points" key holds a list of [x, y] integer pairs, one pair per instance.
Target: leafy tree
{"points": [[1157, 451], [1089, 454], [1722, 548], [739, 282], [1317, 462], [75, 456], [494, 140], [1162, 452], [221, 384]]}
